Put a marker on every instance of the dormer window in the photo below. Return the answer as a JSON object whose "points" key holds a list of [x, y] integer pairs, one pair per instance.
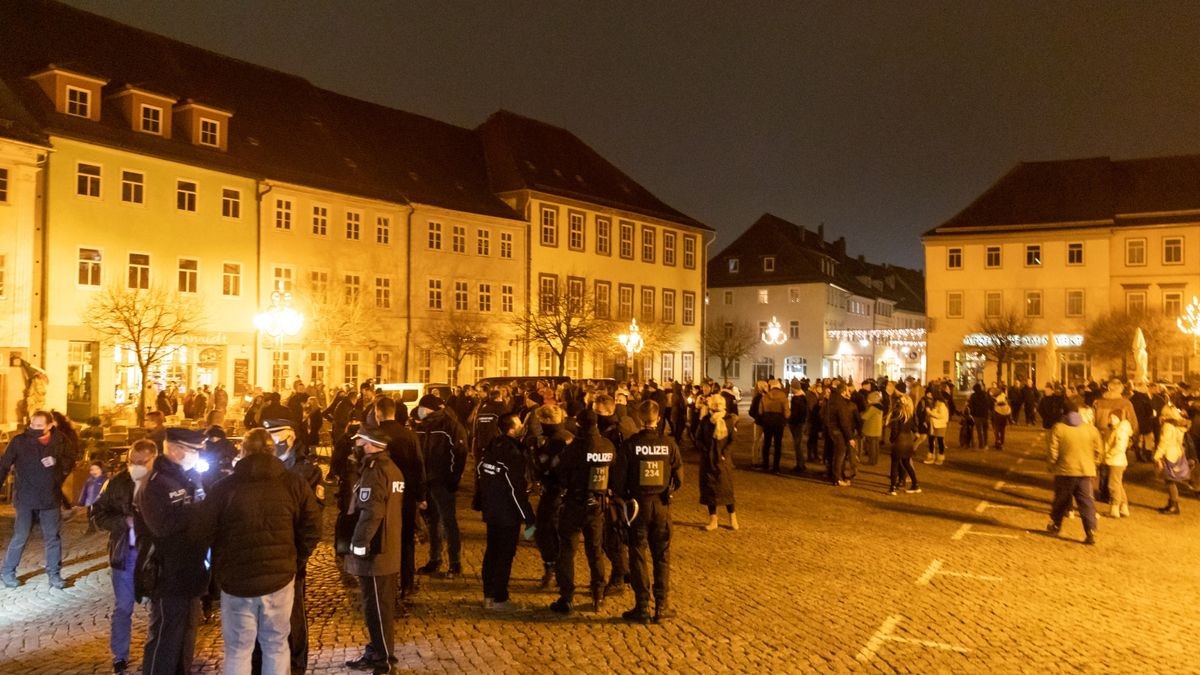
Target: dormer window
{"points": [[734, 265], [827, 266], [210, 132], [151, 119], [769, 263], [79, 102]]}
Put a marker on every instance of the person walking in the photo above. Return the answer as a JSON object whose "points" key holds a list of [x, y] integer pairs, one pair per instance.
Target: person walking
{"points": [[1169, 455], [36, 457], [114, 512], [501, 495], [716, 465], [1116, 459], [1074, 447], [262, 521], [904, 437]]}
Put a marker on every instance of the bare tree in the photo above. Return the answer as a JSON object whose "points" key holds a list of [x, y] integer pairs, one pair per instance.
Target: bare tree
{"points": [[1001, 337], [149, 322], [456, 337], [334, 318], [729, 340], [564, 321]]}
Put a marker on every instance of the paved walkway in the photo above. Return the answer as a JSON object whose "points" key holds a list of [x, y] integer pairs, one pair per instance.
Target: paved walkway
{"points": [[819, 579]]}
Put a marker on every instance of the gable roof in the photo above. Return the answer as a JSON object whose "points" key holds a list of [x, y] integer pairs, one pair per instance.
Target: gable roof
{"points": [[1078, 191], [799, 253], [283, 127], [526, 154]]}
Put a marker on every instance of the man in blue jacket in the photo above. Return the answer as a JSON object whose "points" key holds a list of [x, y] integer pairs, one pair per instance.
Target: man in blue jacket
{"points": [[36, 455]]}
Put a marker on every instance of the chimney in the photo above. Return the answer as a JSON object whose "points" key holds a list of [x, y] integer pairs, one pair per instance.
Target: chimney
{"points": [[821, 232], [840, 246]]}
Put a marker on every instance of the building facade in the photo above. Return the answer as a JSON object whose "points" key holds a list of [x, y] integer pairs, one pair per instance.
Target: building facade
{"points": [[1057, 248], [837, 316]]}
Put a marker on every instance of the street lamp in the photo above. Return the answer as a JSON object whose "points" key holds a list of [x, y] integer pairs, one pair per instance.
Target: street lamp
{"points": [[280, 319], [774, 334], [1189, 323], [632, 342]]}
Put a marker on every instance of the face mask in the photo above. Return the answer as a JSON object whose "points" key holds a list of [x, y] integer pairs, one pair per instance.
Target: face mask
{"points": [[422, 412], [189, 460], [138, 471], [282, 450], [35, 433]]}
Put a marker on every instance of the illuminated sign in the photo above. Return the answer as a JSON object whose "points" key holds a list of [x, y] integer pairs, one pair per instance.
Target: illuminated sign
{"points": [[1060, 340]]}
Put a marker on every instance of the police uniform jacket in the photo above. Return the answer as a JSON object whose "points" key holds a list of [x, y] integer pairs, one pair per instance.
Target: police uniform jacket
{"points": [[167, 507], [651, 465], [584, 467], [443, 443], [405, 451], [500, 488], [36, 484], [377, 501]]}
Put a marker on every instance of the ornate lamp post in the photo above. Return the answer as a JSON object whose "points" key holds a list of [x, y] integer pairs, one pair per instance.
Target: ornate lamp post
{"points": [[632, 342], [1189, 323], [280, 319], [774, 334]]}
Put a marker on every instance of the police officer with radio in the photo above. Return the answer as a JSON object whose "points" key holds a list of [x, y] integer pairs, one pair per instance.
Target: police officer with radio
{"points": [[375, 547], [583, 473], [652, 471]]}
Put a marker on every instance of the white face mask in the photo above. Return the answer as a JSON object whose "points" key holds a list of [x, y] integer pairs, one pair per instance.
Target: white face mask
{"points": [[138, 471], [422, 412], [189, 460]]}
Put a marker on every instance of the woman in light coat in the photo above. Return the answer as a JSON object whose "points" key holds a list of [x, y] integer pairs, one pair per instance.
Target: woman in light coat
{"points": [[1170, 452], [1121, 431], [939, 418]]}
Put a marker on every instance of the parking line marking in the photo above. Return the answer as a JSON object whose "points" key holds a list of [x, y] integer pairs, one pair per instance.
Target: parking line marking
{"points": [[929, 643], [969, 575], [994, 534], [884, 634], [930, 571], [985, 505], [1000, 485], [966, 527]]}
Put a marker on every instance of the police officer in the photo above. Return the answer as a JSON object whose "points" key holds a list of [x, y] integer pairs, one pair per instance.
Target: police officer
{"points": [[405, 451], [583, 471], [502, 497], [166, 508], [375, 547], [294, 455], [652, 471], [616, 540], [551, 441]]}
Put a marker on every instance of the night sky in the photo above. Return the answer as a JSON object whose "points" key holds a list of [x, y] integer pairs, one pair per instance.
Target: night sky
{"points": [[879, 119]]}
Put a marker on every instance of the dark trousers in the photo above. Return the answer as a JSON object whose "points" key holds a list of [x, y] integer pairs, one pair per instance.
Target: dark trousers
{"points": [[443, 525], [171, 636], [50, 520], [651, 533], [578, 520], [616, 549], [547, 527], [844, 461], [408, 545], [1001, 424], [902, 466], [814, 438], [498, 559], [379, 612], [772, 435], [1102, 494], [298, 637], [981, 431], [797, 432], [1080, 489]]}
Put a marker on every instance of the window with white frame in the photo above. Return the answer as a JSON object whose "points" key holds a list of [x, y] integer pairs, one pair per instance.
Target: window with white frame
{"points": [[424, 364], [549, 227], [669, 239], [625, 234], [79, 102], [320, 220], [279, 369], [668, 366], [688, 366], [458, 239], [625, 301], [954, 258], [350, 364], [87, 180], [1033, 303], [547, 293], [575, 230], [689, 252], [3, 185], [603, 236], [210, 132], [283, 214], [648, 304], [89, 267], [318, 286], [133, 187], [283, 278], [764, 296], [991, 257], [1074, 304], [545, 361], [689, 308], [151, 119], [1172, 253], [575, 292], [573, 363], [735, 265], [1075, 253], [648, 246], [189, 270], [383, 292], [992, 304], [353, 225], [231, 279], [434, 238], [185, 195], [231, 203], [506, 298], [460, 296], [1172, 303], [434, 297], [480, 366], [353, 286], [483, 242], [317, 364], [727, 297], [793, 330], [139, 271], [1135, 252], [1135, 302], [603, 299], [506, 245], [485, 297], [954, 304], [768, 263], [1033, 255], [383, 230], [668, 305]]}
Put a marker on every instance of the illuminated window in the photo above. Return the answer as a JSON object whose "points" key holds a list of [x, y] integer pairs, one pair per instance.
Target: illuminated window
{"points": [[735, 265], [764, 296], [283, 278]]}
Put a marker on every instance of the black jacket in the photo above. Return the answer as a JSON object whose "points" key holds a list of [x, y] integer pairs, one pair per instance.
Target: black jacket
{"points": [[444, 445], [798, 409], [584, 467], [842, 416], [36, 485], [377, 502], [261, 521], [500, 489], [167, 510], [114, 505], [486, 425], [651, 465], [405, 451]]}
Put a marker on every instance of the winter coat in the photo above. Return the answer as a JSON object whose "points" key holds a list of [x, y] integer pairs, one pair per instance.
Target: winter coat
{"points": [[39, 469], [1143, 411], [902, 434], [1109, 403], [584, 467], [444, 444], [773, 408], [405, 451], [1118, 443], [260, 521], [980, 404], [1074, 447], [798, 413], [500, 489], [377, 502], [1050, 409], [872, 421], [716, 466], [109, 513], [167, 514], [939, 418]]}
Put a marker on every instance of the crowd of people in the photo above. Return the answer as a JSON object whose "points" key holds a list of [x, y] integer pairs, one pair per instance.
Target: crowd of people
{"points": [[197, 520]]}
